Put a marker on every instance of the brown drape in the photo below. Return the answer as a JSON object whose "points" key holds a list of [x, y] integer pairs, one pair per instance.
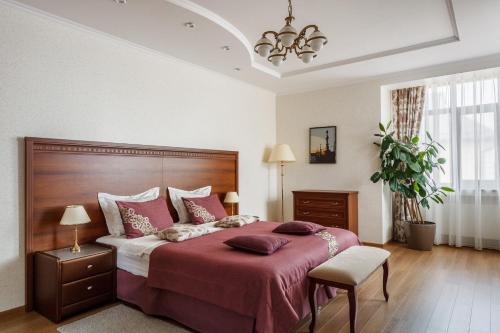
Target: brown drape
{"points": [[407, 109]]}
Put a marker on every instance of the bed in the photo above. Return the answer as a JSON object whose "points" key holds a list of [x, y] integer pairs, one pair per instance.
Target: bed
{"points": [[201, 282]]}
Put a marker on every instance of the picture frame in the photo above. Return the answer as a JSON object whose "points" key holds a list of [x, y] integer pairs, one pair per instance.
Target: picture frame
{"points": [[323, 145]]}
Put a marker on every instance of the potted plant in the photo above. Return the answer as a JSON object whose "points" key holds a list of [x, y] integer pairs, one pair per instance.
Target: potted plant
{"points": [[407, 166]]}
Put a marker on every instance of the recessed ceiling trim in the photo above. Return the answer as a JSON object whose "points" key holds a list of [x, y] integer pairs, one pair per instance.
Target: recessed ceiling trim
{"points": [[208, 14], [442, 41]]}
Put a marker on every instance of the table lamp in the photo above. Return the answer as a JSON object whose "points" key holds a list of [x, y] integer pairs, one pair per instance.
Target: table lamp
{"points": [[282, 153], [75, 215], [232, 198]]}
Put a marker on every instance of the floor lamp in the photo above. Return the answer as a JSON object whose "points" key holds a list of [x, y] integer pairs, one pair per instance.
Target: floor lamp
{"points": [[282, 154]]}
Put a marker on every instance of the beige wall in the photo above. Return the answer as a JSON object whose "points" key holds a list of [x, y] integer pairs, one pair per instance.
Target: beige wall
{"points": [[62, 82], [356, 110]]}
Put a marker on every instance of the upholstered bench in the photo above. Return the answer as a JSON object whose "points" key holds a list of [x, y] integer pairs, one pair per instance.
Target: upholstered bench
{"points": [[348, 270]]}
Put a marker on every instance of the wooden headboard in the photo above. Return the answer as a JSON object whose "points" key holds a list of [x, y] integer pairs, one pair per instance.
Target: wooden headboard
{"points": [[65, 172]]}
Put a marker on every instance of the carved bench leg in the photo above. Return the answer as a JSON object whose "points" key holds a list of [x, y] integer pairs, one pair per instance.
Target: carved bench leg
{"points": [[312, 303], [386, 275], [353, 307]]}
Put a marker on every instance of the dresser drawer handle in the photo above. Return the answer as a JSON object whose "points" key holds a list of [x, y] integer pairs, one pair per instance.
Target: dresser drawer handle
{"points": [[306, 201], [335, 215], [306, 213], [90, 287], [335, 203], [90, 266]]}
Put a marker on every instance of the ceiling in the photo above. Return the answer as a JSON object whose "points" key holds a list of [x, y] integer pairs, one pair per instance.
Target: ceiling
{"points": [[366, 38]]}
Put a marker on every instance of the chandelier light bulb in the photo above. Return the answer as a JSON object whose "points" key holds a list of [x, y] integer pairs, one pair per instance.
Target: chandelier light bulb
{"points": [[263, 46], [317, 40], [307, 54], [276, 58], [287, 35]]}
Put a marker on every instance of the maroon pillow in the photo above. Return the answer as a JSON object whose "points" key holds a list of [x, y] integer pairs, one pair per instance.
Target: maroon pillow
{"points": [[299, 228], [261, 244], [144, 218], [204, 209]]}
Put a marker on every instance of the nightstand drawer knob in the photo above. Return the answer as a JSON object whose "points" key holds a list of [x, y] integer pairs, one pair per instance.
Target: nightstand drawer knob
{"points": [[90, 266], [306, 201], [89, 287], [306, 213], [335, 215]]}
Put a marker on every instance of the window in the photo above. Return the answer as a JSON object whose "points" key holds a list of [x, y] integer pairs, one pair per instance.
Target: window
{"points": [[462, 114]]}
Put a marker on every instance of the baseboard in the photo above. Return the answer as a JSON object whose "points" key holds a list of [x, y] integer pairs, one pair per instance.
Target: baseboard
{"points": [[376, 244], [14, 311]]}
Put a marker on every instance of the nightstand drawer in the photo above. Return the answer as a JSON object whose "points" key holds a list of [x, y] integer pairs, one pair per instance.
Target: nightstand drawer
{"points": [[78, 269], [87, 304], [78, 291]]}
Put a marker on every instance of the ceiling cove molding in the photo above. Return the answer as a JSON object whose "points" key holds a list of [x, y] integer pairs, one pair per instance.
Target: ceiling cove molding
{"points": [[442, 41], [217, 19]]}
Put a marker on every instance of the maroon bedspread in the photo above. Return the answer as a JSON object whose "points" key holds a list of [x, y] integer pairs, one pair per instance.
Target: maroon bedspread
{"points": [[272, 289]]}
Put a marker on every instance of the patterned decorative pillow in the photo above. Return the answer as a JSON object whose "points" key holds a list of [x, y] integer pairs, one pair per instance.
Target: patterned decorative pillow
{"points": [[261, 244], [181, 232], [235, 221], [144, 218], [298, 228], [204, 210]]}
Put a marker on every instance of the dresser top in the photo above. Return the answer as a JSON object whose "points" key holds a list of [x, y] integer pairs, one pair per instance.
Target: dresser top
{"points": [[85, 250], [324, 191]]}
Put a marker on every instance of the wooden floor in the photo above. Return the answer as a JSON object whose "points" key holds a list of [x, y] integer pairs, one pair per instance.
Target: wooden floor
{"points": [[446, 290]]}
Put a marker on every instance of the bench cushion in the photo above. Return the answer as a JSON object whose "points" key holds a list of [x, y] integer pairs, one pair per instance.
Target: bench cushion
{"points": [[351, 266]]}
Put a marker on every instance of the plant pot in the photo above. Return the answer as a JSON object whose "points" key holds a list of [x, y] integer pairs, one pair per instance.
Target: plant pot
{"points": [[420, 236]]}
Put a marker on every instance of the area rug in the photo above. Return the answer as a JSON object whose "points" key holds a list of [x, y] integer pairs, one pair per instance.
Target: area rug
{"points": [[121, 319]]}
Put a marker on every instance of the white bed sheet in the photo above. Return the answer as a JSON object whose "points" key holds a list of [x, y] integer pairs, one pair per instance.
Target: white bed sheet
{"points": [[133, 253]]}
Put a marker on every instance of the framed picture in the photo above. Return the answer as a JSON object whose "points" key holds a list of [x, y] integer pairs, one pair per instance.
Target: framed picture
{"points": [[323, 144]]}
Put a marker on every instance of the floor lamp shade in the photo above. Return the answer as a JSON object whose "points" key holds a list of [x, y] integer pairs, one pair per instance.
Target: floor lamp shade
{"points": [[282, 153]]}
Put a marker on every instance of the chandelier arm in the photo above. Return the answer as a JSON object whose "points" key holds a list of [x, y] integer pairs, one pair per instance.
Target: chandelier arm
{"points": [[302, 32], [270, 32]]}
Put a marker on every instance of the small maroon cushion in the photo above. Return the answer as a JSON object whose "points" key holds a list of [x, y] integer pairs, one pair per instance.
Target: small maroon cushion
{"points": [[204, 209], [261, 244], [144, 218], [299, 228]]}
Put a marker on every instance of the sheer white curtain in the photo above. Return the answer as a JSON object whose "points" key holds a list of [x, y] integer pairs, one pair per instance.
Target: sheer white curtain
{"points": [[462, 113]]}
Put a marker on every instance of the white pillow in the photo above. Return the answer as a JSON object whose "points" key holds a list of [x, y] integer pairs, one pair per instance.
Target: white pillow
{"points": [[111, 212], [176, 196]]}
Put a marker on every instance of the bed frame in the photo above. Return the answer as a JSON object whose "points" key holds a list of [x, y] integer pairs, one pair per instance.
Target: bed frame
{"points": [[65, 172]]}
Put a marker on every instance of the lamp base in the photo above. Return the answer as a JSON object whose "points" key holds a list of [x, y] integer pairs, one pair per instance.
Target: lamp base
{"points": [[76, 247]]}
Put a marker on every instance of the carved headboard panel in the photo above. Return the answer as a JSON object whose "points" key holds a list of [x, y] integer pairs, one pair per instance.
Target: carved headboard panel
{"points": [[65, 172]]}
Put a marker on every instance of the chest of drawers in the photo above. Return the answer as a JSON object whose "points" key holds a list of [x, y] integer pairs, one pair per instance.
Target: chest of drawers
{"points": [[329, 208], [67, 283]]}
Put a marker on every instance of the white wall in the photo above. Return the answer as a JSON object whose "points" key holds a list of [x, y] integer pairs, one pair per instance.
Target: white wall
{"points": [[62, 82], [356, 110]]}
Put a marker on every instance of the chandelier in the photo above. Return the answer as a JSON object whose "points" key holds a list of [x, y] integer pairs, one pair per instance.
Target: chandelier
{"points": [[287, 41]]}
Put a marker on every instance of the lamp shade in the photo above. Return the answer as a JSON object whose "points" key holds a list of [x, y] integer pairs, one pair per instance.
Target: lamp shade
{"points": [[282, 153], [74, 214], [231, 197]]}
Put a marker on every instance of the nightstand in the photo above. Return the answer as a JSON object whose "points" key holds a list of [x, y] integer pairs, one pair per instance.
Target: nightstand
{"points": [[67, 283]]}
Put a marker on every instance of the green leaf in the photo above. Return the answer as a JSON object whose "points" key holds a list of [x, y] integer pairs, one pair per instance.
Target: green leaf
{"points": [[379, 135], [447, 189], [415, 167], [375, 177], [381, 127], [415, 140], [429, 136], [441, 160]]}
